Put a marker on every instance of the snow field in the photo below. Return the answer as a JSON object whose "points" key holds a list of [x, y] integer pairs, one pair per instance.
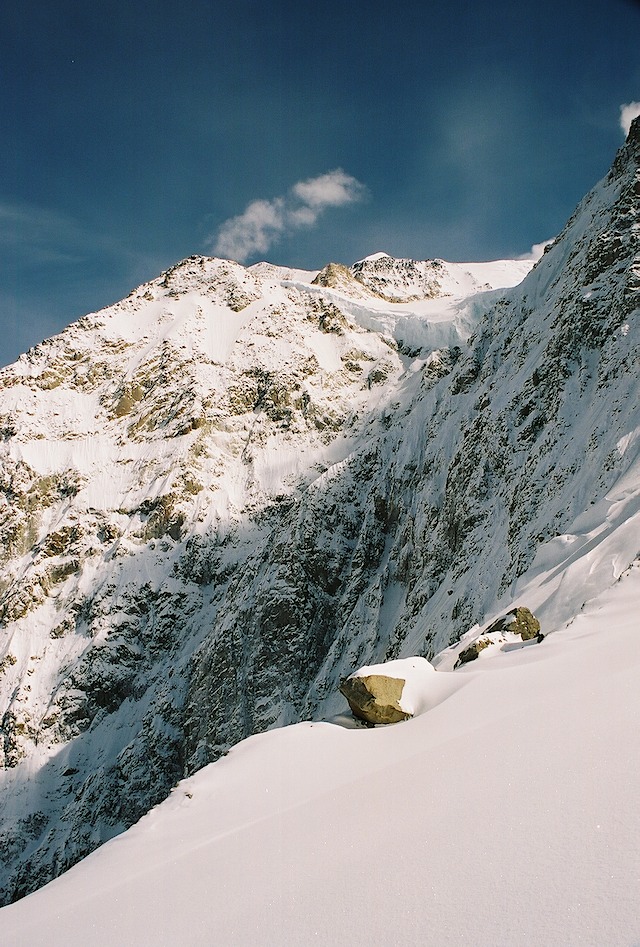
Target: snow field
{"points": [[505, 815]]}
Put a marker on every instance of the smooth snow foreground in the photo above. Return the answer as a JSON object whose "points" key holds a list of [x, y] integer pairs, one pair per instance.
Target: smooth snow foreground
{"points": [[505, 815]]}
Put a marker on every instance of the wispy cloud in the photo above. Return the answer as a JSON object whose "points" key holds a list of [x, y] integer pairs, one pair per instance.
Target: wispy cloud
{"points": [[46, 236], [264, 222], [35, 236], [536, 251], [627, 114]]}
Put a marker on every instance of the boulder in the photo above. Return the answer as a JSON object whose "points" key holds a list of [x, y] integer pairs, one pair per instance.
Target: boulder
{"points": [[519, 621], [472, 652], [375, 698]]}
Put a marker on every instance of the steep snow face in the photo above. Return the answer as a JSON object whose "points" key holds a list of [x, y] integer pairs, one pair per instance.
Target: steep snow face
{"points": [[238, 485]]}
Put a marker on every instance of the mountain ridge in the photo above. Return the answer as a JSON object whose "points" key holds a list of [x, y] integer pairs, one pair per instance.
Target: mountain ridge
{"points": [[238, 484]]}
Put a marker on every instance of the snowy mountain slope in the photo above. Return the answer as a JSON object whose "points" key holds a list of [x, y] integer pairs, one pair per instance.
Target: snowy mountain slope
{"points": [[234, 487], [483, 820], [137, 444], [412, 280]]}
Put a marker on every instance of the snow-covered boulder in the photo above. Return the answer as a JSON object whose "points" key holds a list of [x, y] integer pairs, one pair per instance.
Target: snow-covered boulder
{"points": [[388, 693]]}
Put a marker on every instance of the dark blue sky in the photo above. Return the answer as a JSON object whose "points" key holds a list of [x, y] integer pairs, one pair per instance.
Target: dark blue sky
{"points": [[132, 131]]}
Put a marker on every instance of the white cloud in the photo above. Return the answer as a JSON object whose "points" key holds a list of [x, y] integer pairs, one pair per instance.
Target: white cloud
{"points": [[329, 190], [627, 114], [263, 222], [302, 217], [253, 231], [536, 251]]}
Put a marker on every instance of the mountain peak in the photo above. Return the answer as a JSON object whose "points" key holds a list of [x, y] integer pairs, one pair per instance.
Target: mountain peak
{"points": [[380, 255], [628, 156], [226, 492]]}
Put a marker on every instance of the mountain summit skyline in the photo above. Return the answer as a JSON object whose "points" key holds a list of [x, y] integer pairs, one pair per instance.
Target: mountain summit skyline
{"points": [[138, 135]]}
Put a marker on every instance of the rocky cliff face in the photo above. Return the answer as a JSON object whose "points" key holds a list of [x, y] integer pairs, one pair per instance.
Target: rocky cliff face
{"points": [[223, 494]]}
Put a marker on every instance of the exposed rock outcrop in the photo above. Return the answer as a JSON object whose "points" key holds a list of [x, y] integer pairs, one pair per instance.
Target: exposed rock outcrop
{"points": [[472, 652], [375, 698], [518, 621]]}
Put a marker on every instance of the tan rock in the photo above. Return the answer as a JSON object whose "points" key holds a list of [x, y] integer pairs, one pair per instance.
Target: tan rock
{"points": [[472, 652], [519, 621], [375, 698]]}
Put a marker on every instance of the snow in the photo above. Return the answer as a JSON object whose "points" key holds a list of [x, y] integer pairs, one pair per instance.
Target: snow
{"points": [[571, 569], [493, 274], [380, 255], [499, 273], [67, 428], [505, 814], [466, 291]]}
